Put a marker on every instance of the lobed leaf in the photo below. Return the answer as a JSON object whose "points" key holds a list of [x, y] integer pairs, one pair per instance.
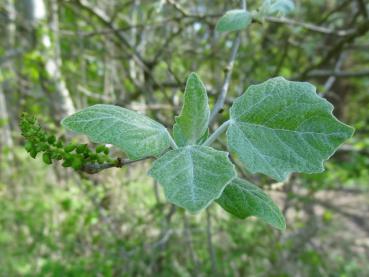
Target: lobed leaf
{"points": [[234, 20], [192, 123], [280, 127], [193, 176], [243, 199], [136, 134]]}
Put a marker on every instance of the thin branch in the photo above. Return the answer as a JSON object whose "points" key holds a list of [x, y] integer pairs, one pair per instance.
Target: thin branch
{"points": [[100, 14], [332, 79], [94, 95], [339, 74], [228, 71], [186, 13], [228, 74], [361, 30], [244, 4], [310, 27], [94, 168], [179, 8]]}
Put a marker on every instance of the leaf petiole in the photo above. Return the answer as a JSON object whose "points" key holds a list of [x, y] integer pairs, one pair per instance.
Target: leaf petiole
{"points": [[173, 144], [222, 128]]}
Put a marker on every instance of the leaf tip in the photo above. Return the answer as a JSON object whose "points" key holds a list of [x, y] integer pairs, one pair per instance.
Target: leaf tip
{"points": [[281, 225], [193, 75]]}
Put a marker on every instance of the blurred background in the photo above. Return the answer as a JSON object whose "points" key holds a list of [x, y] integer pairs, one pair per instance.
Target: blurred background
{"points": [[57, 57]]}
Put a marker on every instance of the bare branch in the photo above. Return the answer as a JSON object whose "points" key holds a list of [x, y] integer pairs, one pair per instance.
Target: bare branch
{"points": [[339, 74], [94, 168], [107, 22], [310, 27], [228, 71], [361, 30], [228, 74], [332, 79]]}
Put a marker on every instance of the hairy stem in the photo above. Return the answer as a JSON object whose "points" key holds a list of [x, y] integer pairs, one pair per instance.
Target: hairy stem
{"points": [[173, 144], [222, 128], [228, 74]]}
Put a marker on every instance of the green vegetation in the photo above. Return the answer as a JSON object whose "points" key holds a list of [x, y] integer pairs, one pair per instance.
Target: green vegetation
{"points": [[73, 205]]}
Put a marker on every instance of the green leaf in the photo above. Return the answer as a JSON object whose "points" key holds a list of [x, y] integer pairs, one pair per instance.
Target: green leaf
{"points": [[280, 7], [136, 134], [234, 20], [193, 176], [243, 199], [192, 123], [279, 127]]}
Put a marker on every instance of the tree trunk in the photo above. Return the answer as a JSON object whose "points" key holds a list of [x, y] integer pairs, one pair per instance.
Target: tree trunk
{"points": [[6, 140], [61, 101], [5, 132]]}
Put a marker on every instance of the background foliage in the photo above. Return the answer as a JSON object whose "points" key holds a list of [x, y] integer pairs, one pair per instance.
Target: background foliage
{"points": [[60, 56]]}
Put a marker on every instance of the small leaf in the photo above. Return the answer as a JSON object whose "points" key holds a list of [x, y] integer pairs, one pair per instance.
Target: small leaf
{"points": [[279, 7], [136, 134], [280, 127], [192, 123], [234, 20], [193, 176], [282, 7], [243, 199]]}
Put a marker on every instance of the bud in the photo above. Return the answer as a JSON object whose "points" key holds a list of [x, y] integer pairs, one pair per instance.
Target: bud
{"points": [[77, 163], [59, 144], [100, 159], [82, 148], [101, 148], [28, 146], [67, 163], [51, 139], [33, 153], [69, 148], [46, 158]]}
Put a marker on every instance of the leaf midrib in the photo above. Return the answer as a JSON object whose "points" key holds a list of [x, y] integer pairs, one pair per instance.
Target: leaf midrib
{"points": [[287, 130]]}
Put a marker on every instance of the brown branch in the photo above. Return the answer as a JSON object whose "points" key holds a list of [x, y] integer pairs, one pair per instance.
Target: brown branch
{"points": [[310, 27], [218, 106], [361, 30], [339, 74], [104, 19], [186, 13], [228, 75], [94, 168]]}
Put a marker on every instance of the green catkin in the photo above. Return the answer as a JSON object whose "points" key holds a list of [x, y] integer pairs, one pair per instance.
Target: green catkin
{"points": [[54, 149], [100, 149], [82, 148], [69, 148], [47, 158]]}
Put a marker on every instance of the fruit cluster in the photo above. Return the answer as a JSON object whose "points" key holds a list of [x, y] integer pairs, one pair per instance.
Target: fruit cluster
{"points": [[73, 155]]}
